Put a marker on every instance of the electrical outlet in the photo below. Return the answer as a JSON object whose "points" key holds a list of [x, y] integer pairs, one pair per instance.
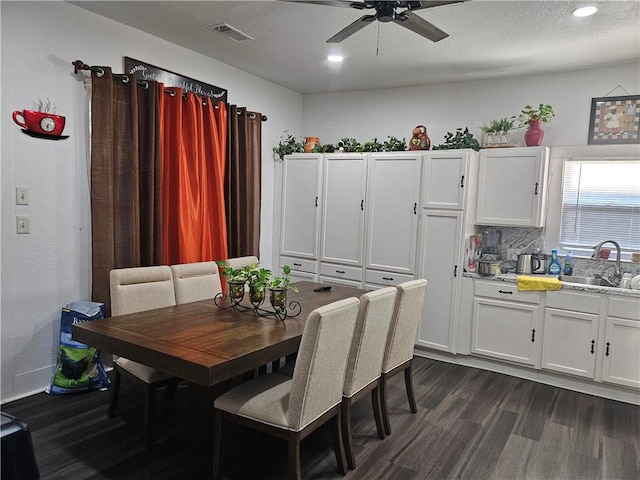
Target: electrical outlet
{"points": [[512, 253], [22, 224], [22, 196]]}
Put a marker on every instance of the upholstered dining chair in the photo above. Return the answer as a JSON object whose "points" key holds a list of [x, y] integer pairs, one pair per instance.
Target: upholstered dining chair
{"points": [[292, 408], [398, 355], [239, 262], [135, 290], [196, 281], [364, 365]]}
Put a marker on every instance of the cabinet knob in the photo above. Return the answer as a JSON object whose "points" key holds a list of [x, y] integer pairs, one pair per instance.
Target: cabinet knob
{"points": [[536, 190], [533, 334], [506, 291], [342, 272], [316, 200], [362, 205], [455, 270], [462, 181], [607, 350], [389, 279], [593, 346], [297, 264], [415, 208]]}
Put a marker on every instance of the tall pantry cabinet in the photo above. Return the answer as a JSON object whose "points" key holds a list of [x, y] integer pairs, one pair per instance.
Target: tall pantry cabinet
{"points": [[446, 219]]}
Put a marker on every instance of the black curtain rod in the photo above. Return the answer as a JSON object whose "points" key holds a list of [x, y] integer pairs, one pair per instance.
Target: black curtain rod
{"points": [[80, 65]]}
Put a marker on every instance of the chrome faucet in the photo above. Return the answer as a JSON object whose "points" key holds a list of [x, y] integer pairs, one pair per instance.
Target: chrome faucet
{"points": [[596, 253]]}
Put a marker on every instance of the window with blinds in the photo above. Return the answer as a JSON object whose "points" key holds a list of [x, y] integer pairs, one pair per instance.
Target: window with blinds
{"points": [[600, 201]]}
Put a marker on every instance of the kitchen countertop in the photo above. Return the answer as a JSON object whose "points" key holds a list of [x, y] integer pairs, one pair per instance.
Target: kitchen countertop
{"points": [[511, 278]]}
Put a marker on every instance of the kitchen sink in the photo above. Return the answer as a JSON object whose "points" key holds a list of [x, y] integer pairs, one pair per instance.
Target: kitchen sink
{"points": [[583, 280]]}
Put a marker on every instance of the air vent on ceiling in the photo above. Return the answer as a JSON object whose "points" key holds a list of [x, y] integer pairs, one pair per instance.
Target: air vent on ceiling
{"points": [[231, 32]]}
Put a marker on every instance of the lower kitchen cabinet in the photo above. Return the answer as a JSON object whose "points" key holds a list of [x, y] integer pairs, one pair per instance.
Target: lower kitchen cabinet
{"points": [[621, 364], [503, 326], [569, 344]]}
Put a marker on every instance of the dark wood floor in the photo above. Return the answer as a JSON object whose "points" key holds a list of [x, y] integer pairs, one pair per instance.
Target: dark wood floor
{"points": [[471, 424]]}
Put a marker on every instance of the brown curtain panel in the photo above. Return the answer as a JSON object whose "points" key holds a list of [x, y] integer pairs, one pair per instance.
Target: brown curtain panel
{"points": [[125, 177], [243, 182]]}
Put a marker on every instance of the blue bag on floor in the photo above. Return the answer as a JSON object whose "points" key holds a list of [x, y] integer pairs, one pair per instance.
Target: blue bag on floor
{"points": [[79, 368]]}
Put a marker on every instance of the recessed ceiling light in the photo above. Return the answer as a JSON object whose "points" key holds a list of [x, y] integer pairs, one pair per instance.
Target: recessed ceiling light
{"points": [[584, 11], [335, 58]]}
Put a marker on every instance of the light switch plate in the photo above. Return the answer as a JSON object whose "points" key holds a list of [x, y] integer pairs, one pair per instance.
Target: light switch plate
{"points": [[22, 224], [22, 196]]}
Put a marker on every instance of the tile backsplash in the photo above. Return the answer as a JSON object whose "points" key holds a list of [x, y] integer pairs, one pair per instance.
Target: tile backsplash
{"points": [[531, 240]]}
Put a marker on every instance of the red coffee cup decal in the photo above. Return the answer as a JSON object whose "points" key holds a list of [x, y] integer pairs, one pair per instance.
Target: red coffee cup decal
{"points": [[43, 123]]}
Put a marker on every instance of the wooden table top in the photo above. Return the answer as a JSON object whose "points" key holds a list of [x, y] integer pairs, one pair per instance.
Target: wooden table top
{"points": [[203, 343]]}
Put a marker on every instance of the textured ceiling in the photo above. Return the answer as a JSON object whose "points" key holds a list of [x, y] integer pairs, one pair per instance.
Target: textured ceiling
{"points": [[488, 39]]}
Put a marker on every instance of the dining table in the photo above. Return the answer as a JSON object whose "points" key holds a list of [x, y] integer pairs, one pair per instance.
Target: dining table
{"points": [[207, 342]]}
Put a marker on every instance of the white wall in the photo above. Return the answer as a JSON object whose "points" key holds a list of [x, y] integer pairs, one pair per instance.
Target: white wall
{"points": [[49, 267], [443, 108]]}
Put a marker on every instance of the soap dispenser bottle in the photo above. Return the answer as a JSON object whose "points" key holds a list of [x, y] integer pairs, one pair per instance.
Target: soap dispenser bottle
{"points": [[568, 263], [554, 265]]}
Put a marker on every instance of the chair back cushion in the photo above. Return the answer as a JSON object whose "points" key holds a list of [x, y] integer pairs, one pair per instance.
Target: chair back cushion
{"points": [[196, 281], [240, 262], [369, 339], [141, 288], [318, 377], [404, 324]]}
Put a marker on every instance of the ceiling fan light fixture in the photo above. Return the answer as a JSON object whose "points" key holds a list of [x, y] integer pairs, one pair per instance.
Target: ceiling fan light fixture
{"points": [[584, 11], [335, 58]]}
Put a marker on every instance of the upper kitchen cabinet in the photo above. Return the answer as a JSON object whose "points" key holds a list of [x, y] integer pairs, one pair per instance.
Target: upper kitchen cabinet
{"points": [[300, 224], [512, 186], [344, 188], [445, 179], [393, 187]]}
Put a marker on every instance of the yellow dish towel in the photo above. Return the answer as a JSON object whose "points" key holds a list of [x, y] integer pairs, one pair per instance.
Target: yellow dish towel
{"points": [[527, 283]]}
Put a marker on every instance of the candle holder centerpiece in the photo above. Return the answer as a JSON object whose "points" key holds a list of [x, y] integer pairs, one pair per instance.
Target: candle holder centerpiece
{"points": [[254, 280]]}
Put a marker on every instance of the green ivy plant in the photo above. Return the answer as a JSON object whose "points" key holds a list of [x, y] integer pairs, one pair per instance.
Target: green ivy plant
{"points": [[327, 148], [283, 281], [394, 145], [461, 139], [287, 145], [350, 145], [372, 146]]}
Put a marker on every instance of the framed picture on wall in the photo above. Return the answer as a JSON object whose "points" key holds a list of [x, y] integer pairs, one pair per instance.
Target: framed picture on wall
{"points": [[614, 120]]}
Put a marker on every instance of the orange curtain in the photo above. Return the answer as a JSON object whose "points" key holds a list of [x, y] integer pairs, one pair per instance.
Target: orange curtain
{"points": [[193, 142]]}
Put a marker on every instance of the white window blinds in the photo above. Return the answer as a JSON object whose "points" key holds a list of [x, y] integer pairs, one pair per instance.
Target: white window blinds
{"points": [[601, 201]]}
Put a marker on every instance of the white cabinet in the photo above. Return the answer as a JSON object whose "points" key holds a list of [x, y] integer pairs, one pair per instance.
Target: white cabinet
{"points": [[343, 205], [440, 257], [506, 323], [621, 364], [393, 181], [300, 220], [571, 333], [512, 186], [445, 179]]}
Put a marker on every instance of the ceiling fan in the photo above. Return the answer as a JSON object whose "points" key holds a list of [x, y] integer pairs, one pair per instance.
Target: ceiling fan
{"points": [[387, 12]]}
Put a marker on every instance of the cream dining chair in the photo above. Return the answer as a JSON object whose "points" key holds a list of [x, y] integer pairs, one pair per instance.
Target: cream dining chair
{"points": [[135, 290], [292, 408], [398, 354], [196, 281], [240, 262], [365, 360]]}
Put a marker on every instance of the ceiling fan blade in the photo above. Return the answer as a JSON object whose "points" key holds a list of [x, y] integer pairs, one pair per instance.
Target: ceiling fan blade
{"points": [[353, 28], [429, 4], [420, 26], [335, 3]]}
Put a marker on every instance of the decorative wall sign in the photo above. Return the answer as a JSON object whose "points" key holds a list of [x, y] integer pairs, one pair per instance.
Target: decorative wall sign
{"points": [[615, 120], [146, 71]]}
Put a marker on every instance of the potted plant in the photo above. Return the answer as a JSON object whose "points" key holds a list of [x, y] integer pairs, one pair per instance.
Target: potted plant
{"points": [[497, 132], [287, 145], [278, 286], [461, 139], [258, 279], [394, 145], [236, 279], [532, 117]]}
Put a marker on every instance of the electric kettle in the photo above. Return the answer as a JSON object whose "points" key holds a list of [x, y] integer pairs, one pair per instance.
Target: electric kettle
{"points": [[528, 263]]}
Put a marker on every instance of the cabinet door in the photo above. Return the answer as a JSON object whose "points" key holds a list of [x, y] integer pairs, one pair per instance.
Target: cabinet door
{"points": [[511, 187], [393, 181], [439, 256], [506, 330], [569, 344], [621, 363], [444, 179], [300, 206], [343, 197]]}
